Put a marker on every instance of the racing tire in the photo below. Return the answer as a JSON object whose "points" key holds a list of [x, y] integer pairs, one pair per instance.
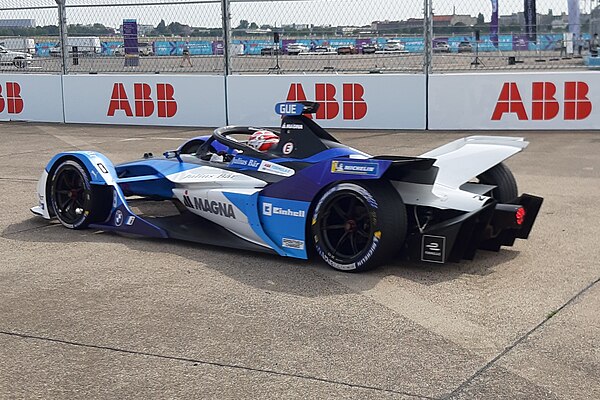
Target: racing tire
{"points": [[506, 185], [71, 196], [357, 226]]}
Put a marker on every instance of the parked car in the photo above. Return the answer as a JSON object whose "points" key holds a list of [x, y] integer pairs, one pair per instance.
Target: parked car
{"points": [[144, 49], [323, 49], [16, 58], [86, 45], [24, 44], [270, 51], [465, 47], [370, 48], [297, 48], [394, 45], [346, 49], [441, 47]]}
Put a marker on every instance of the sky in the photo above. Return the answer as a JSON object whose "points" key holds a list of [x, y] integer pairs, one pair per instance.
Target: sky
{"points": [[317, 12]]}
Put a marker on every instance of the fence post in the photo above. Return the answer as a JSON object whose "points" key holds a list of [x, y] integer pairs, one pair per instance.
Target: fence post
{"points": [[226, 13], [62, 29], [427, 35]]}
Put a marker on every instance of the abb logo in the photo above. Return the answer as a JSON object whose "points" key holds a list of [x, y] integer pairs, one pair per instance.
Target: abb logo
{"points": [[144, 104], [354, 106], [544, 105], [11, 99]]}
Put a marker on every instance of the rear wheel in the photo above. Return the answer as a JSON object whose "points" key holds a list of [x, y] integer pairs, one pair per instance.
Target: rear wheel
{"points": [[357, 226], [506, 185], [71, 195]]}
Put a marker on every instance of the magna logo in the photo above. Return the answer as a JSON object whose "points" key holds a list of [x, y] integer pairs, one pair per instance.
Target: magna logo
{"points": [[212, 207], [354, 107], [544, 104], [10, 99], [144, 104]]}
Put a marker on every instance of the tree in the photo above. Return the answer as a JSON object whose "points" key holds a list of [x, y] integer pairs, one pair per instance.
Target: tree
{"points": [[161, 28], [243, 24], [480, 19], [253, 25]]}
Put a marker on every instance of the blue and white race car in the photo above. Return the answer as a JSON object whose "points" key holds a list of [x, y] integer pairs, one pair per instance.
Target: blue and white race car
{"points": [[308, 194]]}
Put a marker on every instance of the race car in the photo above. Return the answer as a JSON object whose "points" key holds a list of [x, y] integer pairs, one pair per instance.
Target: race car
{"points": [[300, 192]]}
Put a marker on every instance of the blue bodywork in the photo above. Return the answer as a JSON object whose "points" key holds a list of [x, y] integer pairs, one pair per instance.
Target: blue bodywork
{"points": [[279, 213]]}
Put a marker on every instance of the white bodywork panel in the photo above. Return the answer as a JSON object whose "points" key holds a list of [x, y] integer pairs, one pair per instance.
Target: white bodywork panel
{"points": [[211, 177], [42, 208], [459, 162], [213, 205], [463, 159]]}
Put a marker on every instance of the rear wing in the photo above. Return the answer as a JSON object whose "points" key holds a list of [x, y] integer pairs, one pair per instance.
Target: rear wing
{"points": [[463, 159]]}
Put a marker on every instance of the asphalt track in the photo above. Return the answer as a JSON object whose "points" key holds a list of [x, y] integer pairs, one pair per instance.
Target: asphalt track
{"points": [[86, 314]]}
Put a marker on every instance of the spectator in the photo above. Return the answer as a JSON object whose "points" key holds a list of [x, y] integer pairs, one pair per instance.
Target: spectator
{"points": [[186, 55], [580, 45], [563, 48], [594, 43]]}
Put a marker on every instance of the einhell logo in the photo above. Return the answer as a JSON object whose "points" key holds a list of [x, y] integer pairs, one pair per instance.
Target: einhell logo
{"points": [[544, 103], [10, 98], [354, 107], [145, 102]]}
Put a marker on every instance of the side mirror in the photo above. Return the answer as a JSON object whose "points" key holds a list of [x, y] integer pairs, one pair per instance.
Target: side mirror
{"points": [[173, 154]]}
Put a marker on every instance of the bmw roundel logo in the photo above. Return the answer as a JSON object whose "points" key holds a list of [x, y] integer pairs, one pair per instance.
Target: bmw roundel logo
{"points": [[118, 218]]}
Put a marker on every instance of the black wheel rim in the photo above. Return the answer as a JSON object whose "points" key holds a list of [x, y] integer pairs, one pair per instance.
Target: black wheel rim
{"points": [[345, 228], [69, 194]]}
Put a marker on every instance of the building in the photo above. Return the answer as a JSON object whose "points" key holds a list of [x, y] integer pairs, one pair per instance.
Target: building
{"points": [[453, 20], [385, 26], [17, 23], [465, 20], [442, 20]]}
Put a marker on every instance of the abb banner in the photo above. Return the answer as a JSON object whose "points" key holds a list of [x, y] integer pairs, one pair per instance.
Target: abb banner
{"points": [[35, 98], [347, 101], [514, 101], [182, 100]]}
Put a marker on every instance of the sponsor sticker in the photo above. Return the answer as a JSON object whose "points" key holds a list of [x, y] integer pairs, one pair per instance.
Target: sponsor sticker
{"points": [[270, 210], [292, 244], [275, 169], [354, 168], [292, 126], [244, 162], [433, 249], [208, 206], [130, 220]]}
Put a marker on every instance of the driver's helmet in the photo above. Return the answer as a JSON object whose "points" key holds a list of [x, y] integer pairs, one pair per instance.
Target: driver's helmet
{"points": [[263, 140]]}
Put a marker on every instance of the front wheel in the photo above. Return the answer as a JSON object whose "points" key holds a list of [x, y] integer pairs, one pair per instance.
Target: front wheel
{"points": [[71, 195], [357, 226]]}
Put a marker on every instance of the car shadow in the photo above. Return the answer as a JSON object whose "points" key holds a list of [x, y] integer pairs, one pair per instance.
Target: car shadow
{"points": [[306, 278]]}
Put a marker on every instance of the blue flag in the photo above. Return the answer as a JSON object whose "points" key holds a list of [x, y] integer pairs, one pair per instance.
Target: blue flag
{"points": [[494, 23]]}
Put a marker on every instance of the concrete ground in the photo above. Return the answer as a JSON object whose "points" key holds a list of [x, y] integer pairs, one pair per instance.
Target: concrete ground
{"points": [[86, 314]]}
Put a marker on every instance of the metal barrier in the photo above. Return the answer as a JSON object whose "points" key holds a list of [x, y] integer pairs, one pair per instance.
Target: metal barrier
{"points": [[289, 36]]}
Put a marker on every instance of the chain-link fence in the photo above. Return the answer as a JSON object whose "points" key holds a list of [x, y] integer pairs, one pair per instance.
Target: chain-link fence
{"points": [[511, 34], [326, 35], [295, 36]]}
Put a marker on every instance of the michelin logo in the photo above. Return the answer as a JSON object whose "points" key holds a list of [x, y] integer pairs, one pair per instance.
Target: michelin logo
{"points": [[356, 168], [269, 210]]}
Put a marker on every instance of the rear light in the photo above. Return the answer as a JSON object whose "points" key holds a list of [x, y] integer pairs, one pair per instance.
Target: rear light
{"points": [[520, 215]]}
